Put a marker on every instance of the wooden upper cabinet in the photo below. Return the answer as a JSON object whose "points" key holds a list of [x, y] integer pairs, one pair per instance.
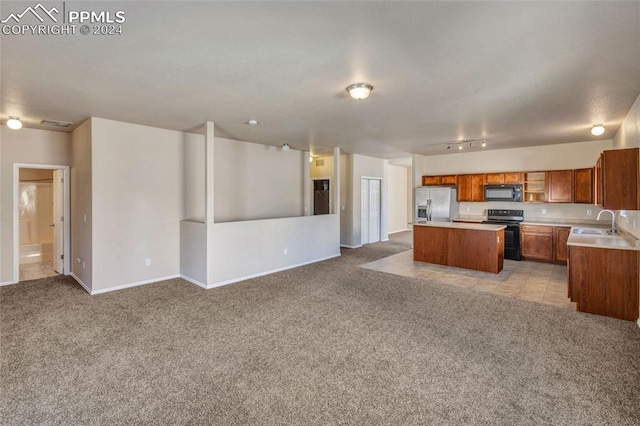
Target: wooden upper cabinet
{"points": [[583, 186], [438, 180], [448, 180], [431, 180], [513, 177], [559, 186], [470, 187], [504, 178], [619, 179], [598, 184], [494, 178]]}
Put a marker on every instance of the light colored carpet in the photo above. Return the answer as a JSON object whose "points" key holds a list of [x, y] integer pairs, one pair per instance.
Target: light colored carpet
{"points": [[328, 343]]}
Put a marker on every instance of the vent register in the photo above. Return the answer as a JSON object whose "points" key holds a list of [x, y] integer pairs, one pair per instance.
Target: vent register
{"points": [[54, 123]]}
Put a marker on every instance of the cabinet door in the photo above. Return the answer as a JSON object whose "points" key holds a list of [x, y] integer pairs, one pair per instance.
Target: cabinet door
{"points": [[561, 235], [431, 180], [583, 186], [464, 187], [448, 180], [620, 179], [559, 186], [494, 178], [598, 183], [514, 177], [477, 187], [537, 242]]}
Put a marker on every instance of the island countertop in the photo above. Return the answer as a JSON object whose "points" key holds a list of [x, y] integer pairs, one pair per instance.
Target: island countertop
{"points": [[463, 225]]}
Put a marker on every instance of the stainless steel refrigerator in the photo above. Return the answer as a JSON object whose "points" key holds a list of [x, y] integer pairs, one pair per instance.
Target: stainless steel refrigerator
{"points": [[435, 203]]}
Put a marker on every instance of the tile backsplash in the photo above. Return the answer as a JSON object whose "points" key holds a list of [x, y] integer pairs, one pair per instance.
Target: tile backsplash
{"points": [[535, 210]]}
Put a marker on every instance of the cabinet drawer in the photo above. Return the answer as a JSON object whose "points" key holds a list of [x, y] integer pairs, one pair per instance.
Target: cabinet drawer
{"points": [[536, 229]]}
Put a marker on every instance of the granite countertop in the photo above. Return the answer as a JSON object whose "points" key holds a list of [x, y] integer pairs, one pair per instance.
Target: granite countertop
{"points": [[622, 241], [457, 225]]}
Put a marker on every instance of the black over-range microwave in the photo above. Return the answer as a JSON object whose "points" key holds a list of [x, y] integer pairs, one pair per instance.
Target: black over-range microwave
{"points": [[503, 193]]}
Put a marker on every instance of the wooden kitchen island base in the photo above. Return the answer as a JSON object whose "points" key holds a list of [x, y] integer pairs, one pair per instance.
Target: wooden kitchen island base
{"points": [[471, 246]]}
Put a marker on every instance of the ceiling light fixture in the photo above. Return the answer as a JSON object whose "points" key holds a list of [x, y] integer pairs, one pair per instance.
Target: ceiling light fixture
{"points": [[460, 147], [484, 144], [597, 130], [252, 122], [14, 123], [285, 147], [359, 91]]}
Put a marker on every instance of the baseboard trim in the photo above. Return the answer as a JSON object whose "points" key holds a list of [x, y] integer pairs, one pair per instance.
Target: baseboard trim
{"points": [[384, 241], [272, 271], [395, 232], [136, 284], [8, 283], [351, 247], [192, 281], [79, 281]]}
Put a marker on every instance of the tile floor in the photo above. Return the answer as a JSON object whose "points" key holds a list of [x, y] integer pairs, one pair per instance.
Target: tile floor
{"points": [[537, 282], [33, 271]]}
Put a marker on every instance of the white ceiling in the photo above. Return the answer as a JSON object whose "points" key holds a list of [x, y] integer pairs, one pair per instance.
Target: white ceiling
{"points": [[515, 73]]}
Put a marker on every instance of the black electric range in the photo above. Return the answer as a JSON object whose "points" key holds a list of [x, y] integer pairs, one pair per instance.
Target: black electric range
{"points": [[512, 219]]}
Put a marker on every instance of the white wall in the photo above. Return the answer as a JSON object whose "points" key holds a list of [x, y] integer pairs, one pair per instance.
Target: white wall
{"points": [[23, 146], [346, 200], [81, 205], [629, 137], [137, 203], [254, 181], [397, 219], [362, 166], [251, 248], [547, 157], [193, 252], [194, 177]]}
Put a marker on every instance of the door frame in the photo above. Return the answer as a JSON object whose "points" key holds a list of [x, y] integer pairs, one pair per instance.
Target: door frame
{"points": [[381, 204], [16, 215], [330, 193]]}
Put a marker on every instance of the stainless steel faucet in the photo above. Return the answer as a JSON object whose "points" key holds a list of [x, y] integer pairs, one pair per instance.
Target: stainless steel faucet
{"points": [[613, 219]]}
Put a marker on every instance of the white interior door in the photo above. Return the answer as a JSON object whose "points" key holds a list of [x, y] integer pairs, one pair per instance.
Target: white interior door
{"points": [[58, 221], [374, 210], [364, 227]]}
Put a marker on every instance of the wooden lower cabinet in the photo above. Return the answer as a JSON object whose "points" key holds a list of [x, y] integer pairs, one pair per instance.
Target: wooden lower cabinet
{"points": [[536, 242], [560, 237], [545, 243], [481, 250], [604, 281]]}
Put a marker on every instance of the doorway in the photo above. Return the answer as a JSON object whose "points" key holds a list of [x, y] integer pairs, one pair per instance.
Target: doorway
{"points": [[370, 203], [321, 196], [41, 221]]}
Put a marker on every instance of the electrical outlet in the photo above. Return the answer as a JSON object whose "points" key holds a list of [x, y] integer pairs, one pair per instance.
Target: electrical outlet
{"points": [[544, 211], [468, 209], [84, 265], [634, 224], [589, 212], [85, 217], [286, 252], [147, 262]]}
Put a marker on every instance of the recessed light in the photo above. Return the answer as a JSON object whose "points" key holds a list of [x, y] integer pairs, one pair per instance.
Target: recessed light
{"points": [[359, 91], [14, 123], [252, 122], [597, 130]]}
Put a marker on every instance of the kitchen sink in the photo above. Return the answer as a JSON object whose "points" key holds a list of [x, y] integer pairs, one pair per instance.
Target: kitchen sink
{"points": [[588, 231]]}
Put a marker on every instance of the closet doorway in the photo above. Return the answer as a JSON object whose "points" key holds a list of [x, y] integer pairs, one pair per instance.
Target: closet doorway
{"points": [[371, 218]]}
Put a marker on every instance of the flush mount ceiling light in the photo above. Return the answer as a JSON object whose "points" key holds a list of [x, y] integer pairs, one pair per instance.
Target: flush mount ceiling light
{"points": [[253, 122], [14, 123], [359, 91], [597, 130], [285, 147]]}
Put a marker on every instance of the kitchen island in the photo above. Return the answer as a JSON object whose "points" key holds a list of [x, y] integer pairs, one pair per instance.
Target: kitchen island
{"points": [[464, 245]]}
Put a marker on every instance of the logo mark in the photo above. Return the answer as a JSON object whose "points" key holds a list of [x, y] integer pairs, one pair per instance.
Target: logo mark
{"points": [[34, 11]]}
